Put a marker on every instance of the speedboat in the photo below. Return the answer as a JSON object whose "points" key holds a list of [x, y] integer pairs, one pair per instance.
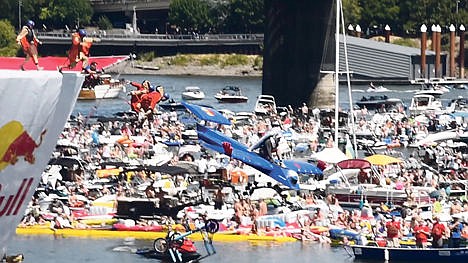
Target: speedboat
{"points": [[104, 87], [380, 102], [425, 103], [265, 105], [193, 93], [231, 94]]}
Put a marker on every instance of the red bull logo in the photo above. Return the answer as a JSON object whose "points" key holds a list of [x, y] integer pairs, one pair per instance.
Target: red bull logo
{"points": [[16, 142], [208, 111]]}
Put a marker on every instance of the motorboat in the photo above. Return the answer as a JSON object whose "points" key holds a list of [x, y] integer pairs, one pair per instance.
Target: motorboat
{"points": [[380, 103], [265, 105], [410, 254], [100, 87], [459, 104], [193, 93], [231, 94], [426, 102]]}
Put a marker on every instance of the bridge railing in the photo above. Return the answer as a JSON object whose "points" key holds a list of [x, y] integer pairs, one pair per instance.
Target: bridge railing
{"points": [[131, 36]]}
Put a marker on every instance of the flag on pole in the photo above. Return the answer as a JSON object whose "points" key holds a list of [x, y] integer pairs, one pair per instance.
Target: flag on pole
{"points": [[349, 149]]}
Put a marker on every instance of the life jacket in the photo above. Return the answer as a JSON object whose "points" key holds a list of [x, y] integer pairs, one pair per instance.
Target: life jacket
{"points": [[86, 46], [74, 51], [28, 39]]}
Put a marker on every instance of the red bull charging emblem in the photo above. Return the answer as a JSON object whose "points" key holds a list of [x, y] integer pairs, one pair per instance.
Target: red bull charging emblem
{"points": [[15, 142], [208, 111]]}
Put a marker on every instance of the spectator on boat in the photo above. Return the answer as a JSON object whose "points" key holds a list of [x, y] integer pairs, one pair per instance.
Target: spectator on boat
{"points": [[456, 229], [91, 79], [305, 111], [28, 41], [262, 207], [393, 232], [219, 199], [437, 232], [421, 232]]}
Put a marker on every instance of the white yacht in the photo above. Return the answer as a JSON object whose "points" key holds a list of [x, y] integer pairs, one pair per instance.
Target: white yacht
{"points": [[193, 93]]}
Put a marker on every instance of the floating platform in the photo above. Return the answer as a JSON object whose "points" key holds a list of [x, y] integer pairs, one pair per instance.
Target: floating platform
{"points": [[107, 233]]}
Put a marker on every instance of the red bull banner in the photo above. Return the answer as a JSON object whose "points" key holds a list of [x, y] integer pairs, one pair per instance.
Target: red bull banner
{"points": [[34, 106]]}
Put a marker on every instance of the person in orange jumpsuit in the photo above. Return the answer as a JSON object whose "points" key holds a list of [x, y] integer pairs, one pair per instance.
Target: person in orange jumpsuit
{"points": [[142, 89], [28, 41], [149, 100], [79, 51]]}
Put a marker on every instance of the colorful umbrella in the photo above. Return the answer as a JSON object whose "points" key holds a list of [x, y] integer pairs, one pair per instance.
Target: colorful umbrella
{"points": [[380, 159]]}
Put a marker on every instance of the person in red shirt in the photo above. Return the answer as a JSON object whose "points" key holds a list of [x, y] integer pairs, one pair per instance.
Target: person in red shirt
{"points": [[421, 233], [438, 232], [393, 232]]}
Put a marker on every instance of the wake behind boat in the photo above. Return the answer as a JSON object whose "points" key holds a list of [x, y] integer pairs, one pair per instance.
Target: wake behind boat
{"points": [[380, 88]]}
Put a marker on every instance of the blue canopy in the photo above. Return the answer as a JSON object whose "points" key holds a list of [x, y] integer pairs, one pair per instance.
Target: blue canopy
{"points": [[206, 113]]}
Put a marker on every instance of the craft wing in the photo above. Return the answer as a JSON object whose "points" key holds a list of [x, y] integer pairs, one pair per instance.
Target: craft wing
{"points": [[206, 113], [302, 167], [219, 142]]}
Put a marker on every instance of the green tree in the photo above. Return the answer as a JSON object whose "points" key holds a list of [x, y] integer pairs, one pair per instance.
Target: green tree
{"points": [[378, 13], [245, 16], [190, 15], [352, 12], [104, 23], [67, 12], [8, 46], [9, 10]]}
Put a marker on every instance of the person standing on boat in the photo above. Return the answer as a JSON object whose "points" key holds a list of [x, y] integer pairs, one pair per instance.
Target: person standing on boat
{"points": [[92, 78], [438, 231], [28, 41], [393, 232], [456, 229], [421, 232]]}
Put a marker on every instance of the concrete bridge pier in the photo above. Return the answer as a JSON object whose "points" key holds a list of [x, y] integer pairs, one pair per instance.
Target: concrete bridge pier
{"points": [[295, 36]]}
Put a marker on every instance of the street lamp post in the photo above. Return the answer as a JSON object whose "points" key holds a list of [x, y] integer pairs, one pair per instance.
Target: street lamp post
{"points": [[20, 2], [423, 50], [462, 53], [437, 50], [452, 50], [358, 31]]}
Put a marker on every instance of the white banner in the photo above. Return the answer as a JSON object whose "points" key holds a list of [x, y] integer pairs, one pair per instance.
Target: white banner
{"points": [[34, 107]]}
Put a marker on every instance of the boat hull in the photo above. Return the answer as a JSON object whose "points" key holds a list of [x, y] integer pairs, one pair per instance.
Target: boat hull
{"points": [[411, 254], [186, 256], [231, 99], [100, 92]]}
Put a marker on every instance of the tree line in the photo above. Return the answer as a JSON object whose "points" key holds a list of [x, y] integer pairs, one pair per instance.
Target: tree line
{"points": [[235, 16]]}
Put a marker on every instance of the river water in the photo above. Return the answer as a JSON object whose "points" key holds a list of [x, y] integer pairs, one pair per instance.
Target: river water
{"points": [[251, 87], [78, 250]]}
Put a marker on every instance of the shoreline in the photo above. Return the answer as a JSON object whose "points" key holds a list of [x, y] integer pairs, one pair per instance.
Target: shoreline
{"points": [[159, 66], [237, 71]]}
